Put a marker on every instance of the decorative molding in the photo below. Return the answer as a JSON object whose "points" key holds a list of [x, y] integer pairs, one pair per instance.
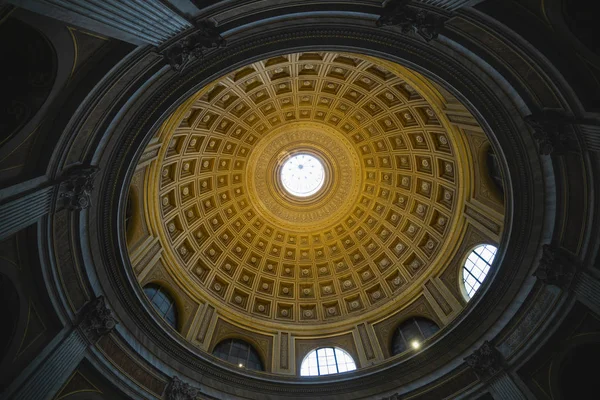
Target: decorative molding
{"points": [[179, 390], [485, 361], [25, 210], [550, 131], [148, 22], [191, 47], [284, 350], [395, 396], [206, 319], [553, 268], [483, 219], [76, 190], [529, 323], [411, 20], [96, 320], [590, 130], [439, 298], [366, 341]]}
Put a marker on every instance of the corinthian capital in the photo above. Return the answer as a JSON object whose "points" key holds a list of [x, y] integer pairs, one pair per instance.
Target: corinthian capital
{"points": [[76, 189], [191, 47], [179, 390], [486, 361], [550, 130], [554, 268], [96, 320], [411, 20]]}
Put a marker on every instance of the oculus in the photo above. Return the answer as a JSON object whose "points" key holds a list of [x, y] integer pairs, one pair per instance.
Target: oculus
{"points": [[302, 175]]}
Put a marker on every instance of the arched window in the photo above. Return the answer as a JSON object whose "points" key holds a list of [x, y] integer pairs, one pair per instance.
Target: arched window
{"points": [[163, 302], [411, 334], [477, 267], [239, 353], [325, 361]]}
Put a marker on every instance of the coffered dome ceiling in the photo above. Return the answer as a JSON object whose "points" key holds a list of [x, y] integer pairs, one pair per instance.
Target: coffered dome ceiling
{"points": [[387, 211]]}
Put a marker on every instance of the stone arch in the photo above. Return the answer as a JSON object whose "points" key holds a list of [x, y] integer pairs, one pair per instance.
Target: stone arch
{"points": [[28, 78]]}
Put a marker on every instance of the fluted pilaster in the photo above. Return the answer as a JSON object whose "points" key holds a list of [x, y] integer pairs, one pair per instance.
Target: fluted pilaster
{"points": [[503, 387], [24, 211], [54, 367], [587, 290], [134, 21]]}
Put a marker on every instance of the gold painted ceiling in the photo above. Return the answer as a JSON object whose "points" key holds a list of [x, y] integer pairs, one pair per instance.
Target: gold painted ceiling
{"points": [[386, 216]]}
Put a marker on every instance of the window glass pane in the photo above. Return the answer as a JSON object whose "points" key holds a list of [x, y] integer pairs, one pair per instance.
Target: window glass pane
{"points": [[163, 303], [414, 329], [476, 267], [238, 352], [326, 361]]}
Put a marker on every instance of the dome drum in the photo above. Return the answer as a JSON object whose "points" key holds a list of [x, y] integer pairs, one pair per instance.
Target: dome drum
{"points": [[380, 257]]}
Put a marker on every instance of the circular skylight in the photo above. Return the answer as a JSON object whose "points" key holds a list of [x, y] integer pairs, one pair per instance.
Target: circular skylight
{"points": [[302, 175]]}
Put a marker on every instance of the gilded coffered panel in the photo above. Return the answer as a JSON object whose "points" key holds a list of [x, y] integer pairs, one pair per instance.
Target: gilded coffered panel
{"points": [[390, 207]]}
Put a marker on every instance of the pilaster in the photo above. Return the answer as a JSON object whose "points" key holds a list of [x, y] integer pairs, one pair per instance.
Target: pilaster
{"points": [[138, 22], [25, 210], [490, 367], [55, 366]]}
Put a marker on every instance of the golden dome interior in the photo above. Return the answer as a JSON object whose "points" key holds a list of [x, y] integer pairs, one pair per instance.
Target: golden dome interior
{"points": [[382, 222]]}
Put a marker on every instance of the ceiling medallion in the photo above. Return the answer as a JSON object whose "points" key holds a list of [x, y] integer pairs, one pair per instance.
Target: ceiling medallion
{"points": [[302, 175]]}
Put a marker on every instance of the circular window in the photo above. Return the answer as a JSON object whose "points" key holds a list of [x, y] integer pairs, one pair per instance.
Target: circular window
{"points": [[477, 267], [302, 175]]}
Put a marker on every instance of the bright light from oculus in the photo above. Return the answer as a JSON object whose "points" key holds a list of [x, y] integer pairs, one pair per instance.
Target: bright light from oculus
{"points": [[415, 344], [302, 175]]}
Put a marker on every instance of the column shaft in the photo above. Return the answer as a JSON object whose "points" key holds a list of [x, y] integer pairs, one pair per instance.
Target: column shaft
{"points": [[503, 387], [23, 211], [135, 21], [53, 371], [587, 290]]}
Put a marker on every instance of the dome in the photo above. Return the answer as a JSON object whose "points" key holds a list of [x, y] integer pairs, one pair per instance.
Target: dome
{"points": [[380, 218], [298, 200]]}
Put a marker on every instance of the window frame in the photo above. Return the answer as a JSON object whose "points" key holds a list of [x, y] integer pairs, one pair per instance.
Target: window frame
{"points": [[250, 350], [335, 356], [408, 345], [461, 278], [172, 303]]}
